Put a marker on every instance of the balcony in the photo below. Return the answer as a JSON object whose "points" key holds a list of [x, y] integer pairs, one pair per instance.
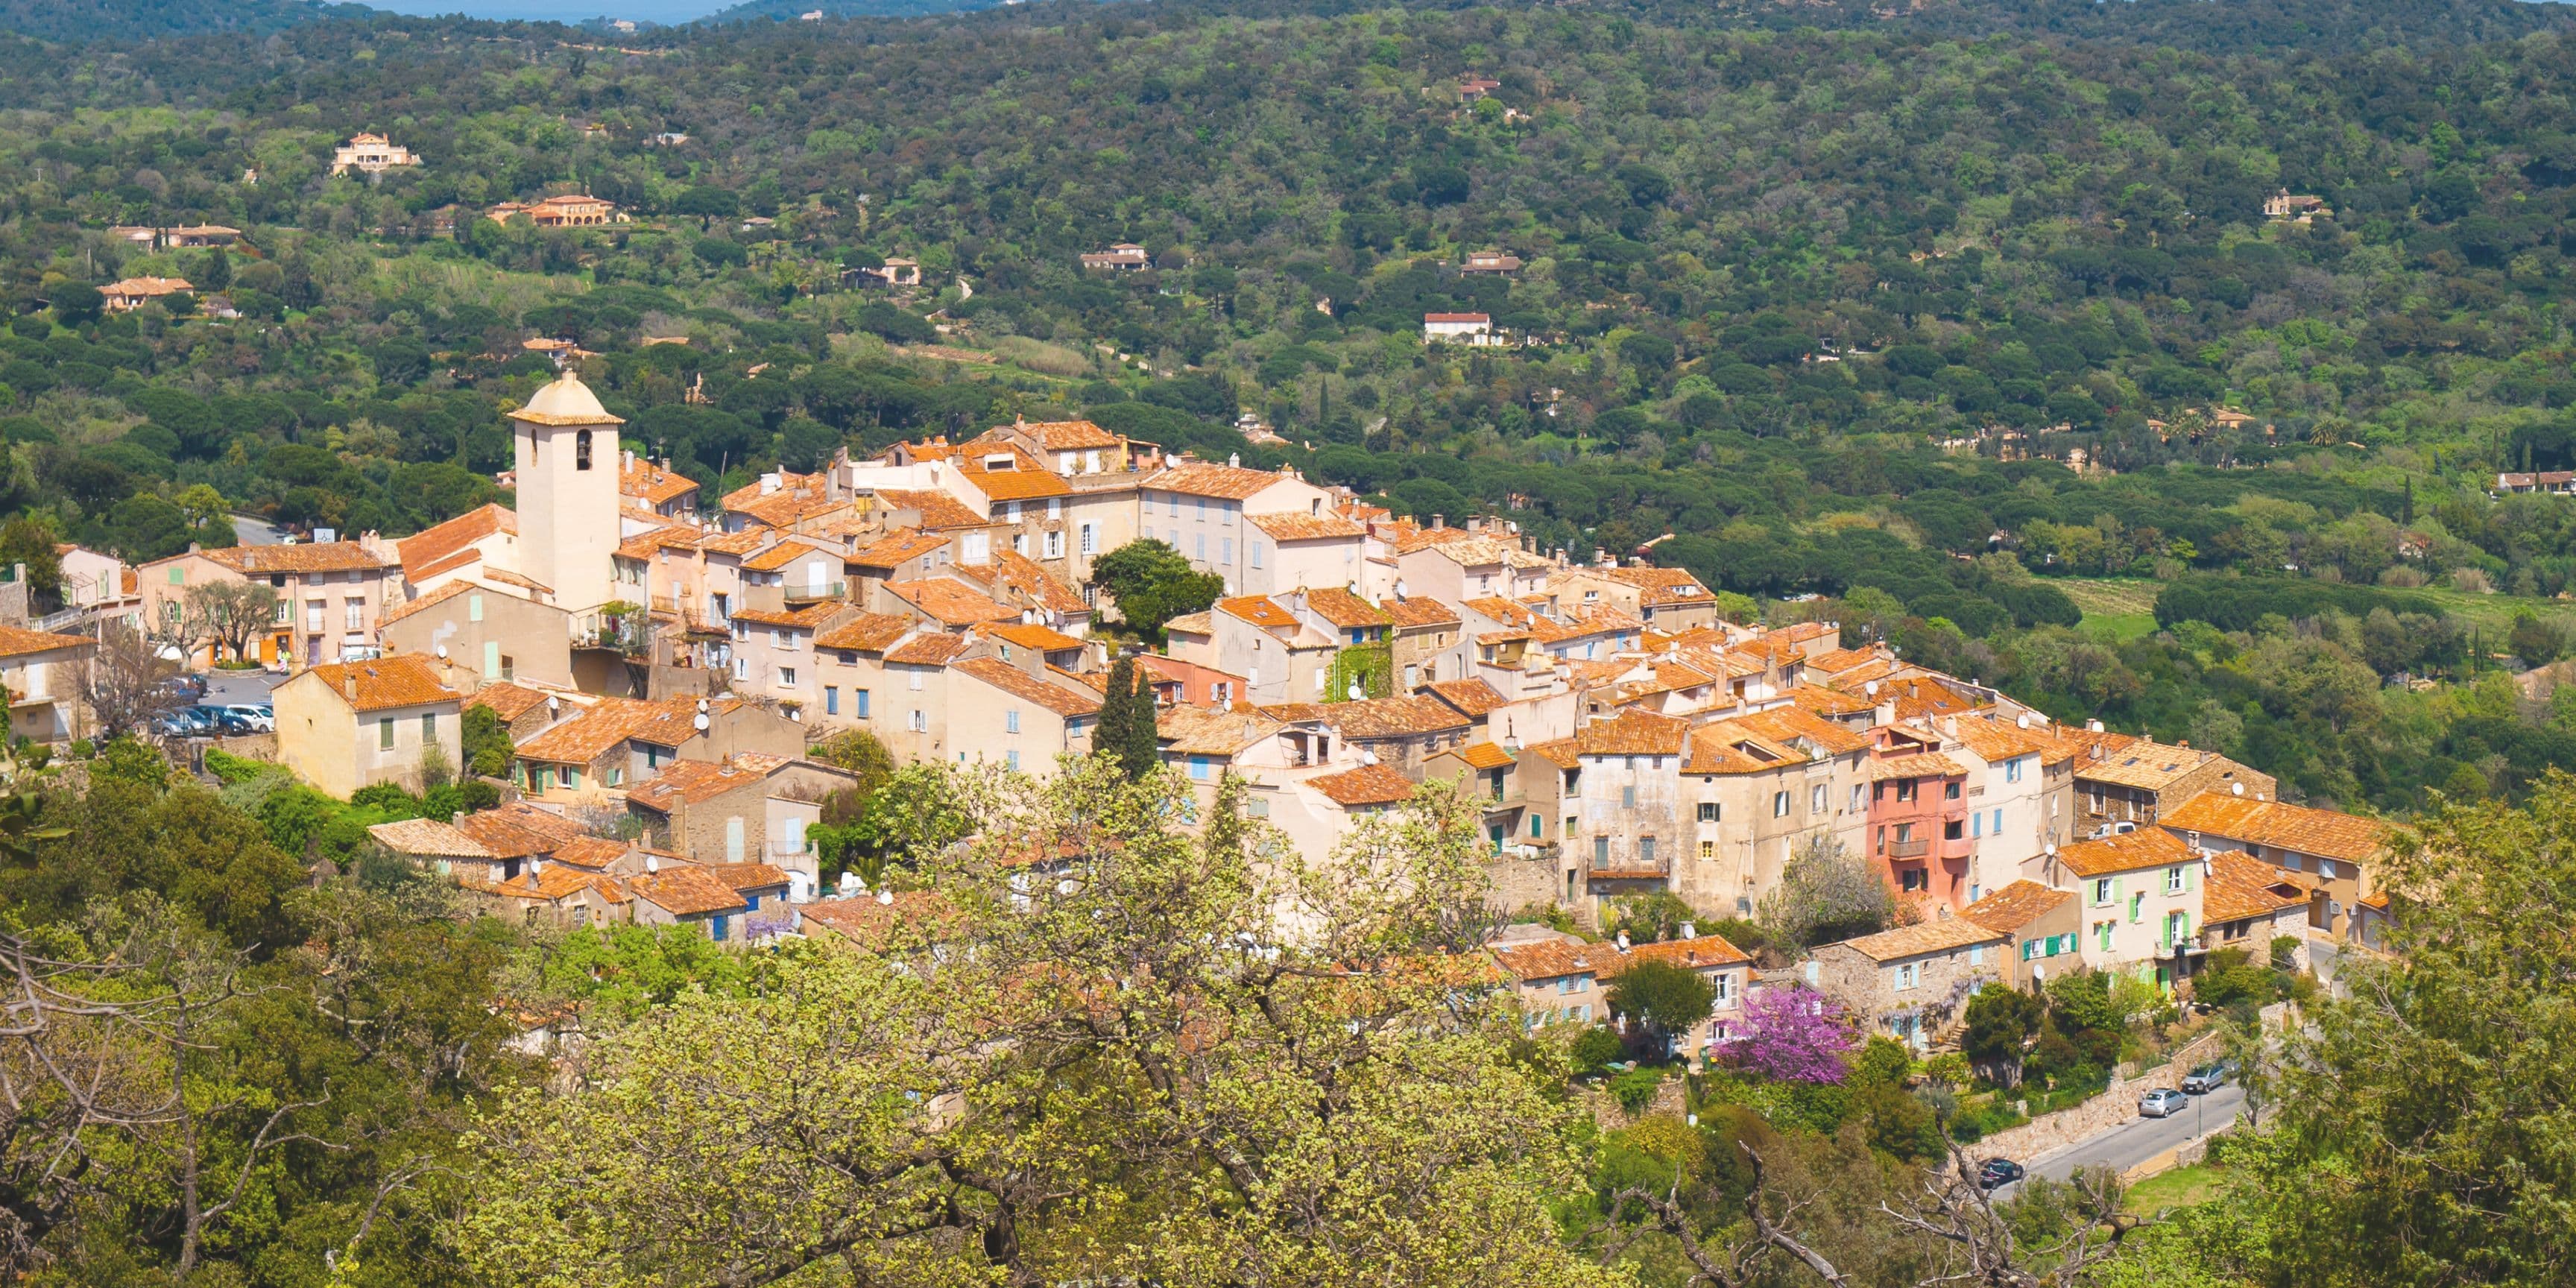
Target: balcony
{"points": [[810, 593], [1631, 867], [1908, 849]]}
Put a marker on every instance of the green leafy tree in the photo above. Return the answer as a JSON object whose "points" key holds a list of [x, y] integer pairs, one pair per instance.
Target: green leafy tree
{"points": [[2001, 1021], [1668, 998], [1152, 584], [486, 742]]}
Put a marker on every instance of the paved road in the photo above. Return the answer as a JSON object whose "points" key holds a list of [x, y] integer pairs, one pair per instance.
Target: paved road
{"points": [[2139, 1139], [251, 530], [239, 688]]}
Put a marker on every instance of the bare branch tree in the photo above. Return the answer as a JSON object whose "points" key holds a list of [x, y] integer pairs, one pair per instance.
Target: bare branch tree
{"points": [[229, 613], [126, 684]]}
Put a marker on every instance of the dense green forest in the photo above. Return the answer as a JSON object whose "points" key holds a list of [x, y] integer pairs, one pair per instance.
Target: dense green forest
{"points": [[1837, 304]]}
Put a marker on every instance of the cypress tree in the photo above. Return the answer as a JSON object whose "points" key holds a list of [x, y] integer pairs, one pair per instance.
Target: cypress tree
{"points": [[1117, 714], [1143, 751]]}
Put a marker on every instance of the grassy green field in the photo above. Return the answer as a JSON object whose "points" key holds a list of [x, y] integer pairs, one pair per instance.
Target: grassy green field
{"points": [[2181, 1187], [2124, 608], [2117, 608]]}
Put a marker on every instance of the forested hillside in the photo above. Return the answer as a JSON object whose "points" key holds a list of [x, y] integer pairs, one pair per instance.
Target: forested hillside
{"points": [[83, 21], [1837, 308]]}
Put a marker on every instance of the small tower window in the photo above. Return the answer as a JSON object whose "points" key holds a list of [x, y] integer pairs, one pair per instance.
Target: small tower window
{"points": [[581, 450]]}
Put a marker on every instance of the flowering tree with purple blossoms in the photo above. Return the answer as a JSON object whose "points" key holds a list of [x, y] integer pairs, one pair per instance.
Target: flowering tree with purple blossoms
{"points": [[1793, 1034]]}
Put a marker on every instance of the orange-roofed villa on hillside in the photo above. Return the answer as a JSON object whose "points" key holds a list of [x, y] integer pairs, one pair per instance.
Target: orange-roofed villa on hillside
{"points": [[346, 725], [332, 595], [1560, 980], [1920, 838], [43, 671]]}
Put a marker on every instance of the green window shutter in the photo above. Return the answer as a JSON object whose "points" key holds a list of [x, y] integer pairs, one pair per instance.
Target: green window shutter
{"points": [[491, 659], [2190, 876], [2119, 889]]}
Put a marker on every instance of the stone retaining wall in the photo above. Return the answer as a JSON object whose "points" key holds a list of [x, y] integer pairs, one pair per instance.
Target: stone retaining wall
{"points": [[2117, 1104]]}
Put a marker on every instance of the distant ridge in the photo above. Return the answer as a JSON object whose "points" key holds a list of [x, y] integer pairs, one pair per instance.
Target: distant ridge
{"points": [[789, 10], [80, 21]]}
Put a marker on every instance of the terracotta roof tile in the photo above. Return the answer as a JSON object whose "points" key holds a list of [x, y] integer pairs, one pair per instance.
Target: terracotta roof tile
{"points": [[586, 736], [517, 831], [426, 602], [937, 509], [332, 556], [1066, 435], [1943, 934], [1014, 574], [749, 876], [429, 545], [429, 837], [651, 484], [788, 552], [810, 617], [1191, 624], [686, 891], [593, 852], [2142, 763], [1344, 609], [1260, 610], [403, 680], [2241, 886], [1366, 785], [2015, 906], [1204, 478], [2324, 833], [897, 547], [1555, 959], [1472, 697], [507, 700], [2148, 847], [1485, 755], [871, 632], [1042, 639], [1418, 611], [1398, 717], [1018, 683], [1922, 764], [951, 604], [1187, 730], [1305, 527], [1633, 733], [18, 641], [690, 782], [929, 648], [1023, 479]]}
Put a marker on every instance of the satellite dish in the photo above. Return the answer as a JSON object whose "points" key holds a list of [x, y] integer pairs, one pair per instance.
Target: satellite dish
{"points": [[700, 722], [1357, 693], [2236, 789], [1399, 588], [554, 705], [2023, 721], [1368, 757], [702, 706], [885, 896], [1870, 688], [441, 650]]}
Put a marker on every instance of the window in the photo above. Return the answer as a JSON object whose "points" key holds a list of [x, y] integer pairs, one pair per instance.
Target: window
{"points": [[1913, 879], [1019, 543], [912, 678], [2101, 891], [1601, 851], [1627, 798], [1225, 551], [1538, 826], [428, 727], [1201, 547], [1010, 511], [581, 450], [385, 734], [1949, 791], [1253, 549], [718, 928], [1978, 825], [787, 677], [1055, 545], [1722, 986], [545, 780], [1976, 954], [2012, 769], [1173, 507], [1708, 811], [1779, 804], [1646, 851], [862, 696], [920, 721], [178, 575], [313, 614], [1011, 721], [1011, 760], [572, 778], [1904, 789], [1951, 831], [2173, 880], [2102, 934], [2138, 907], [831, 699], [1707, 851], [1199, 768], [616, 776], [285, 611], [652, 756], [2029, 949], [1817, 801], [1856, 801], [1090, 539], [1908, 976], [491, 659], [1998, 828]]}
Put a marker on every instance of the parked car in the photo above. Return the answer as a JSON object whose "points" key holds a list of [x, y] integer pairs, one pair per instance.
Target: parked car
{"points": [[254, 718], [2209, 1077], [188, 722], [2162, 1101], [1998, 1172]]}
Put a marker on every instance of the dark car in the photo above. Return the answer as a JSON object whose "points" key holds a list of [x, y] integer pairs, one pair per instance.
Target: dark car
{"points": [[1998, 1172]]}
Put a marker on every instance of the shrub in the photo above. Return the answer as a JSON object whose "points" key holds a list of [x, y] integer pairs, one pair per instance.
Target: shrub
{"points": [[1593, 1051], [1635, 1087]]}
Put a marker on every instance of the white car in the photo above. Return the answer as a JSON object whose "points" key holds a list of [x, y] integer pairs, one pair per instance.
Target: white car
{"points": [[2161, 1102]]}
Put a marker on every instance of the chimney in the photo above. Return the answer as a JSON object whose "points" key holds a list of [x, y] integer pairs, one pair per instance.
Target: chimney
{"points": [[2184, 743], [1439, 521], [626, 460], [2093, 726], [349, 684], [1234, 460], [456, 819]]}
